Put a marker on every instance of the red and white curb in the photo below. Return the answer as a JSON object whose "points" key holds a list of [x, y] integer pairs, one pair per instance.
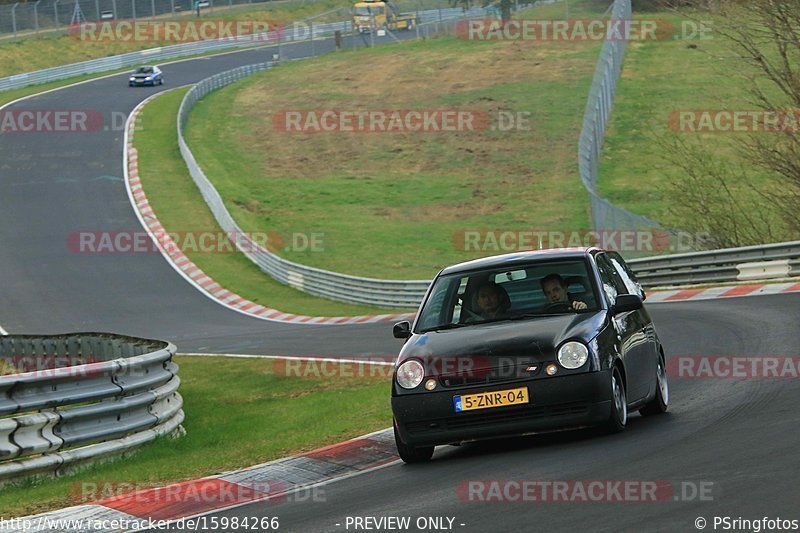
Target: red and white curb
{"points": [[276, 481], [730, 291], [186, 268]]}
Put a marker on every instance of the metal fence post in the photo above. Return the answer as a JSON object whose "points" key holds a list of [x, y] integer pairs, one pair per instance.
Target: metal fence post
{"points": [[14, 18], [153, 7], [133, 9], [55, 12], [36, 15]]}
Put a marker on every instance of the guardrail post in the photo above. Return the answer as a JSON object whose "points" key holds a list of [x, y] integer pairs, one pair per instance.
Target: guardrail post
{"points": [[172, 6], [55, 13], [153, 7], [36, 15], [114, 8], [133, 9], [14, 18]]}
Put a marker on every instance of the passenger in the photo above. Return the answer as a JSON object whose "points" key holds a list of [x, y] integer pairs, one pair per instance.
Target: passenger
{"points": [[555, 289], [491, 301]]}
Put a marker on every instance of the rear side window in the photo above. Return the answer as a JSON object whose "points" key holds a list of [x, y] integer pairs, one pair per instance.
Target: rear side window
{"points": [[626, 274], [612, 282]]}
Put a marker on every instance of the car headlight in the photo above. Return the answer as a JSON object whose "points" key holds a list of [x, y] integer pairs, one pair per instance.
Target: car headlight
{"points": [[573, 355], [410, 374], [132, 78], [148, 78]]}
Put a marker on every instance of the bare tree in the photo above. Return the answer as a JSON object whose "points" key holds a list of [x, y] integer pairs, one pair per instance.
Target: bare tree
{"points": [[765, 37]]}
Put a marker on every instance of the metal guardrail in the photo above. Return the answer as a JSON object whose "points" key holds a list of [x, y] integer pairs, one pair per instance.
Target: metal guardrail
{"points": [[332, 285], [699, 267], [82, 396], [712, 266], [296, 32]]}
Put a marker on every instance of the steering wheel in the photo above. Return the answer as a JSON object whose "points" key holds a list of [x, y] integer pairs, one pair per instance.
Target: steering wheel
{"points": [[558, 307]]}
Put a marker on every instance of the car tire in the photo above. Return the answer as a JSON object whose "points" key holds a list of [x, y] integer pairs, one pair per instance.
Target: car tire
{"points": [[411, 454], [660, 403], [618, 418], [161, 81]]}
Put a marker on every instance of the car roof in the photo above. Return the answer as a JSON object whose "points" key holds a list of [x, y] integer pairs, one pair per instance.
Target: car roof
{"points": [[518, 258]]}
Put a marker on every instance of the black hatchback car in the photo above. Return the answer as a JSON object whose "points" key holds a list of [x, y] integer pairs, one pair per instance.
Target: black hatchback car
{"points": [[524, 343]]}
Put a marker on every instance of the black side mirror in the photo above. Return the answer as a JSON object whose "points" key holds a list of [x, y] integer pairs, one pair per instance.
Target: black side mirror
{"points": [[626, 302], [402, 330]]}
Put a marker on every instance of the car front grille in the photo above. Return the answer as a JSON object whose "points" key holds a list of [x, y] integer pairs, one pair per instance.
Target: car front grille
{"points": [[496, 417], [489, 377]]}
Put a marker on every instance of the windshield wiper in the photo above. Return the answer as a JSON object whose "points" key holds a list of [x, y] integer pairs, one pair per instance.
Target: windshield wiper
{"points": [[444, 326]]}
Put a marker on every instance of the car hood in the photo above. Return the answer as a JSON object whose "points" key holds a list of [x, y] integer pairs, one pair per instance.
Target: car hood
{"points": [[492, 344]]}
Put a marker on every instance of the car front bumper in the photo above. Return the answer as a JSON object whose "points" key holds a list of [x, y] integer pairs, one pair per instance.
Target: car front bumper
{"points": [[576, 400]]}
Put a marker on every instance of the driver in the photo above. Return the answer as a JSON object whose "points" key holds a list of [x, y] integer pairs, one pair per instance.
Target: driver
{"points": [[555, 289]]}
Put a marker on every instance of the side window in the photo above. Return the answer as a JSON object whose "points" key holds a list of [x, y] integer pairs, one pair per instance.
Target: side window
{"points": [[626, 274], [612, 283], [439, 309], [462, 288]]}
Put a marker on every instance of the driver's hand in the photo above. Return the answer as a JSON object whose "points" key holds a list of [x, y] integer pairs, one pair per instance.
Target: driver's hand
{"points": [[578, 305]]}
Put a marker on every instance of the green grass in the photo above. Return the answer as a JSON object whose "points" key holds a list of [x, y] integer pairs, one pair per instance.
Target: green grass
{"points": [[658, 78], [391, 205], [54, 49], [275, 416], [180, 207]]}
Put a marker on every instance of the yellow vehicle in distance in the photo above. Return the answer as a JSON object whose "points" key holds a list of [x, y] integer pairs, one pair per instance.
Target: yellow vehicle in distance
{"points": [[373, 15]]}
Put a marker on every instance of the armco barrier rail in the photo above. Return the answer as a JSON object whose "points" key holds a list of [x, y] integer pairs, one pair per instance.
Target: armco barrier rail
{"points": [[295, 32], [82, 396], [712, 266], [335, 286], [332, 285]]}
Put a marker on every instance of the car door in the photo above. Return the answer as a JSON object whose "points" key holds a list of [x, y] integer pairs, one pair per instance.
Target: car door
{"points": [[634, 287], [631, 330]]}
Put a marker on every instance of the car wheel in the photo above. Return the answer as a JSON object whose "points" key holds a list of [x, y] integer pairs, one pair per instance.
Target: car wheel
{"points": [[618, 418], [660, 403], [161, 81], [411, 454]]}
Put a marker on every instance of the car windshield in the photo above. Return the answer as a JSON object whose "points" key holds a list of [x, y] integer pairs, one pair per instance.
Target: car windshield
{"points": [[144, 70], [525, 291], [367, 11]]}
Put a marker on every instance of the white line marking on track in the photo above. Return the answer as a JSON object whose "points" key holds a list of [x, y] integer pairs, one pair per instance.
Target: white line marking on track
{"points": [[291, 357]]}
